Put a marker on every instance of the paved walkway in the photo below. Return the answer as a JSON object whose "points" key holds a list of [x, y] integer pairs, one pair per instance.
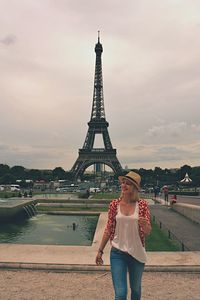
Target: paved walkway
{"points": [[195, 200], [27, 285], [184, 229]]}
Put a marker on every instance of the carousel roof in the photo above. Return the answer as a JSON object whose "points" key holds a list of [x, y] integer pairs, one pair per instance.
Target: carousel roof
{"points": [[186, 179]]}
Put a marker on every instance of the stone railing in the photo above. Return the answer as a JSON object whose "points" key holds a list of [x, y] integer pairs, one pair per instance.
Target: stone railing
{"points": [[188, 210]]}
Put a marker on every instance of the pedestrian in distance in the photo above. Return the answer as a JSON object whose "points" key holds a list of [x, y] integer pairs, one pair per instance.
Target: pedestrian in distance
{"points": [[128, 223], [173, 200], [156, 191], [166, 194]]}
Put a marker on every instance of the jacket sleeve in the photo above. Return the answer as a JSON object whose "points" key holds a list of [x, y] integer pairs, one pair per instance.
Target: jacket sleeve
{"points": [[111, 219], [144, 212], [148, 217], [147, 213]]}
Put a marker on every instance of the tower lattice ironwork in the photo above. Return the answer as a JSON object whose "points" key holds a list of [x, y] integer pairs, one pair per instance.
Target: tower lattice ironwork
{"points": [[97, 125]]}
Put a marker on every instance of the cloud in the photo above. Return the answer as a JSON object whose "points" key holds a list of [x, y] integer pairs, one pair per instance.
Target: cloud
{"points": [[25, 155], [172, 130], [8, 40]]}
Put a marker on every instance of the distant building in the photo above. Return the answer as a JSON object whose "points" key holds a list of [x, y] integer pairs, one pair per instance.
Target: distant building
{"points": [[41, 185]]}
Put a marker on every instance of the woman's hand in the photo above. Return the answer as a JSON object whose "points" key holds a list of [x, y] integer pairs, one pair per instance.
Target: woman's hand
{"points": [[99, 260], [143, 222]]}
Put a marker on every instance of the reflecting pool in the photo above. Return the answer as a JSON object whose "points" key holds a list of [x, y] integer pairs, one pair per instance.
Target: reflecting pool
{"points": [[44, 229]]}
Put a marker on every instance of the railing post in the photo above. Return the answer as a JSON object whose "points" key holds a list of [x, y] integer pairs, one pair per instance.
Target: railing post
{"points": [[182, 246]]}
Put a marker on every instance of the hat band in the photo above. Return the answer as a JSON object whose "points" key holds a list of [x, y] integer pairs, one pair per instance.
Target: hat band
{"points": [[131, 179]]}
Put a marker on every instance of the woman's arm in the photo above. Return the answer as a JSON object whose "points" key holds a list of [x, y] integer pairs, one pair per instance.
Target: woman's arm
{"points": [[146, 225], [105, 239], [107, 232]]}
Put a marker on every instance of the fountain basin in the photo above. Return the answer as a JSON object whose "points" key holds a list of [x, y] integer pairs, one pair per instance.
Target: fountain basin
{"points": [[13, 207], [48, 229]]}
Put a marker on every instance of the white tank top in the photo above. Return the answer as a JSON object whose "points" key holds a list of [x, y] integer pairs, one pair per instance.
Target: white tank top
{"points": [[126, 237]]}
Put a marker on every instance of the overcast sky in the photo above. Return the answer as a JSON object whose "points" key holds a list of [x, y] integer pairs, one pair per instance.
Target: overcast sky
{"points": [[151, 75]]}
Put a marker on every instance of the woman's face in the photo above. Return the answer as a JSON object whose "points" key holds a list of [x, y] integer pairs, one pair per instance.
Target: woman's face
{"points": [[126, 186]]}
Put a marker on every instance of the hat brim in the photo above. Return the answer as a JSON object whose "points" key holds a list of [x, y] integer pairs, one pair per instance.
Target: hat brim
{"points": [[129, 179]]}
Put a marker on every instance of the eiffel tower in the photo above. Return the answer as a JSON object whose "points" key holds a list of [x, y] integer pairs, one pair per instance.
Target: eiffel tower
{"points": [[97, 125]]}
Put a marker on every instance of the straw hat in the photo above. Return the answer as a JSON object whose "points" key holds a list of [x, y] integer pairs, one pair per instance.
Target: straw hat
{"points": [[133, 177]]}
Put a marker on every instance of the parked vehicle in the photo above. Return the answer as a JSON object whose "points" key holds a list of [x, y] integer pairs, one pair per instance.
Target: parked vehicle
{"points": [[10, 187], [15, 188], [67, 188], [2, 188], [94, 190]]}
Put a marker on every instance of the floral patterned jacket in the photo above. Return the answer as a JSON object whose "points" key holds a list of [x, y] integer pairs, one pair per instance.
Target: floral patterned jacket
{"points": [[112, 212]]}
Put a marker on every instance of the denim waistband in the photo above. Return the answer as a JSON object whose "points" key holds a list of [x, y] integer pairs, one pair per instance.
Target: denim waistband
{"points": [[113, 249]]}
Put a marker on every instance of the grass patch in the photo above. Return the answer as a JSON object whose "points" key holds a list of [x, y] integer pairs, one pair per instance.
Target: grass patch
{"points": [[106, 195], [8, 194], [159, 241], [41, 208]]}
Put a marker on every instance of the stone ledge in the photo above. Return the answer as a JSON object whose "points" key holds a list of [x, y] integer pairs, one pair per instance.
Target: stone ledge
{"points": [[190, 211], [91, 268]]}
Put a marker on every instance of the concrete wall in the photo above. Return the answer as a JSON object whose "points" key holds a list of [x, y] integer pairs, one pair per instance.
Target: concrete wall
{"points": [[188, 210]]}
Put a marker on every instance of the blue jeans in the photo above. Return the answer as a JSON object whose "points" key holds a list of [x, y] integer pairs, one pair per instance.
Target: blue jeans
{"points": [[122, 263]]}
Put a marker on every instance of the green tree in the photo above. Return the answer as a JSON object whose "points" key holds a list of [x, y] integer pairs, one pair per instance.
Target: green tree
{"points": [[34, 174], [68, 175], [4, 169], [58, 173], [18, 172], [7, 179]]}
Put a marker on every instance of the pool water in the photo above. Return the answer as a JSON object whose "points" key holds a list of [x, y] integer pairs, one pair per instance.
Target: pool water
{"points": [[45, 229]]}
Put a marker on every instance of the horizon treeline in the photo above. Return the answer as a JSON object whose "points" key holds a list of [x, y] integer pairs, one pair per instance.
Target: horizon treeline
{"points": [[150, 177]]}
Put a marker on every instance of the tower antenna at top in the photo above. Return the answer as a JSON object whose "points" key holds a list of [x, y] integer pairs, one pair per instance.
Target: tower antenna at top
{"points": [[98, 36]]}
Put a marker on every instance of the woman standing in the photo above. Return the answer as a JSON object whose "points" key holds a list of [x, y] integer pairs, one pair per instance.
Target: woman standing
{"points": [[128, 223]]}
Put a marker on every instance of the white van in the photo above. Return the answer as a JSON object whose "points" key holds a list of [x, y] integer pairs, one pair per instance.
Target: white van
{"points": [[2, 188], [94, 190], [15, 188]]}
